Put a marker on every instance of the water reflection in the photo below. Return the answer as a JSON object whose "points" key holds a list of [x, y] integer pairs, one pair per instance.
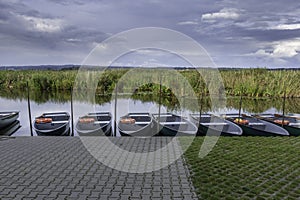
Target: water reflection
{"points": [[139, 102]]}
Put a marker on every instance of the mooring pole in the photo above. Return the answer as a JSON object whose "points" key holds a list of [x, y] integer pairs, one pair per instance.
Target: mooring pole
{"points": [[114, 133], [240, 106], [183, 95], [283, 107], [159, 103], [29, 110], [72, 115], [201, 100]]}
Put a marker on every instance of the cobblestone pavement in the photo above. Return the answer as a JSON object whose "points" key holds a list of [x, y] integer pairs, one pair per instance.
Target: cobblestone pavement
{"points": [[62, 168]]}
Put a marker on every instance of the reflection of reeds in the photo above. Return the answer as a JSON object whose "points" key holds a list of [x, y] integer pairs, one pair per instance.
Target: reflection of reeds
{"points": [[252, 105]]}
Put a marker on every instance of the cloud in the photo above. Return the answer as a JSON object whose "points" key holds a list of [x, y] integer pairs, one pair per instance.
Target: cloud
{"points": [[225, 13], [42, 24], [287, 49], [226, 28], [286, 27], [187, 23], [281, 49]]}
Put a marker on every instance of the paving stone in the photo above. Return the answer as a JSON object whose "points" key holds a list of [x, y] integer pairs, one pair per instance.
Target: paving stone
{"points": [[62, 168]]}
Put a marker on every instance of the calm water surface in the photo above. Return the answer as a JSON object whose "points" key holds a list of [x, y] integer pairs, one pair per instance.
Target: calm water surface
{"points": [[61, 102]]}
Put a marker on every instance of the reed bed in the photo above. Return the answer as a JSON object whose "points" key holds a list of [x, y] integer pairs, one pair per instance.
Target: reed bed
{"points": [[248, 82]]}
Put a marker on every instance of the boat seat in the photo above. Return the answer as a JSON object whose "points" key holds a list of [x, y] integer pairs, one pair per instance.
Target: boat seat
{"points": [[164, 115], [93, 115], [129, 132], [54, 115], [294, 124], [137, 115], [101, 122], [203, 115], [188, 132], [266, 116], [173, 123], [59, 122], [142, 123], [214, 124], [235, 132], [6, 114], [256, 124]]}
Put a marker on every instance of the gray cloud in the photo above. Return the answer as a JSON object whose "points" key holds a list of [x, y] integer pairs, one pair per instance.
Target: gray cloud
{"points": [[69, 29]]}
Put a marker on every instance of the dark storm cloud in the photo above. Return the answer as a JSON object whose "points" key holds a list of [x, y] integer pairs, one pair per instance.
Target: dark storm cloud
{"points": [[16, 25], [226, 28]]}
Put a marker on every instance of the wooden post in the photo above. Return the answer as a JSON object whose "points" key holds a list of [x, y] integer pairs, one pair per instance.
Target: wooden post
{"points": [[72, 115], [283, 107], [29, 110], [201, 102], [114, 133], [159, 103], [240, 106]]}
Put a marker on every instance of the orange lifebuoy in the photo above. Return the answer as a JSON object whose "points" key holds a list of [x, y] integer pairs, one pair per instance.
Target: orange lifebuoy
{"points": [[127, 121], [43, 120], [282, 122], [86, 120], [241, 121]]}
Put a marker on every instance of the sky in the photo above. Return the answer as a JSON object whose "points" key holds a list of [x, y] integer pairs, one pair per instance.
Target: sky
{"points": [[235, 33]]}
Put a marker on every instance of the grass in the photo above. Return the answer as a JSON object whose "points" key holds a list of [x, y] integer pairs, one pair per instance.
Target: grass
{"points": [[247, 168]]}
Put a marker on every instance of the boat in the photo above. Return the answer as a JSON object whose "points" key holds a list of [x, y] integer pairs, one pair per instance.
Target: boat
{"points": [[290, 123], [7, 118], [173, 125], [215, 125], [94, 124], [10, 129], [136, 124], [256, 127], [52, 124]]}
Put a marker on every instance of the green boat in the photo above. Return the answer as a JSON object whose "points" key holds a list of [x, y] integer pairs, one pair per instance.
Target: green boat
{"points": [[214, 126], [290, 123], [173, 125], [256, 127]]}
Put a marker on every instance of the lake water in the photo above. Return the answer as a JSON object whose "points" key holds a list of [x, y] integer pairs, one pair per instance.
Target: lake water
{"points": [[41, 103]]}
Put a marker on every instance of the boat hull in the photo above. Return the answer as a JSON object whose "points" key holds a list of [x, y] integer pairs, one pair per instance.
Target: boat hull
{"points": [[174, 125], [204, 130], [258, 127], [293, 130], [95, 129], [11, 128], [248, 131], [59, 125], [145, 132], [106, 131], [215, 126], [143, 125], [62, 131], [9, 119]]}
